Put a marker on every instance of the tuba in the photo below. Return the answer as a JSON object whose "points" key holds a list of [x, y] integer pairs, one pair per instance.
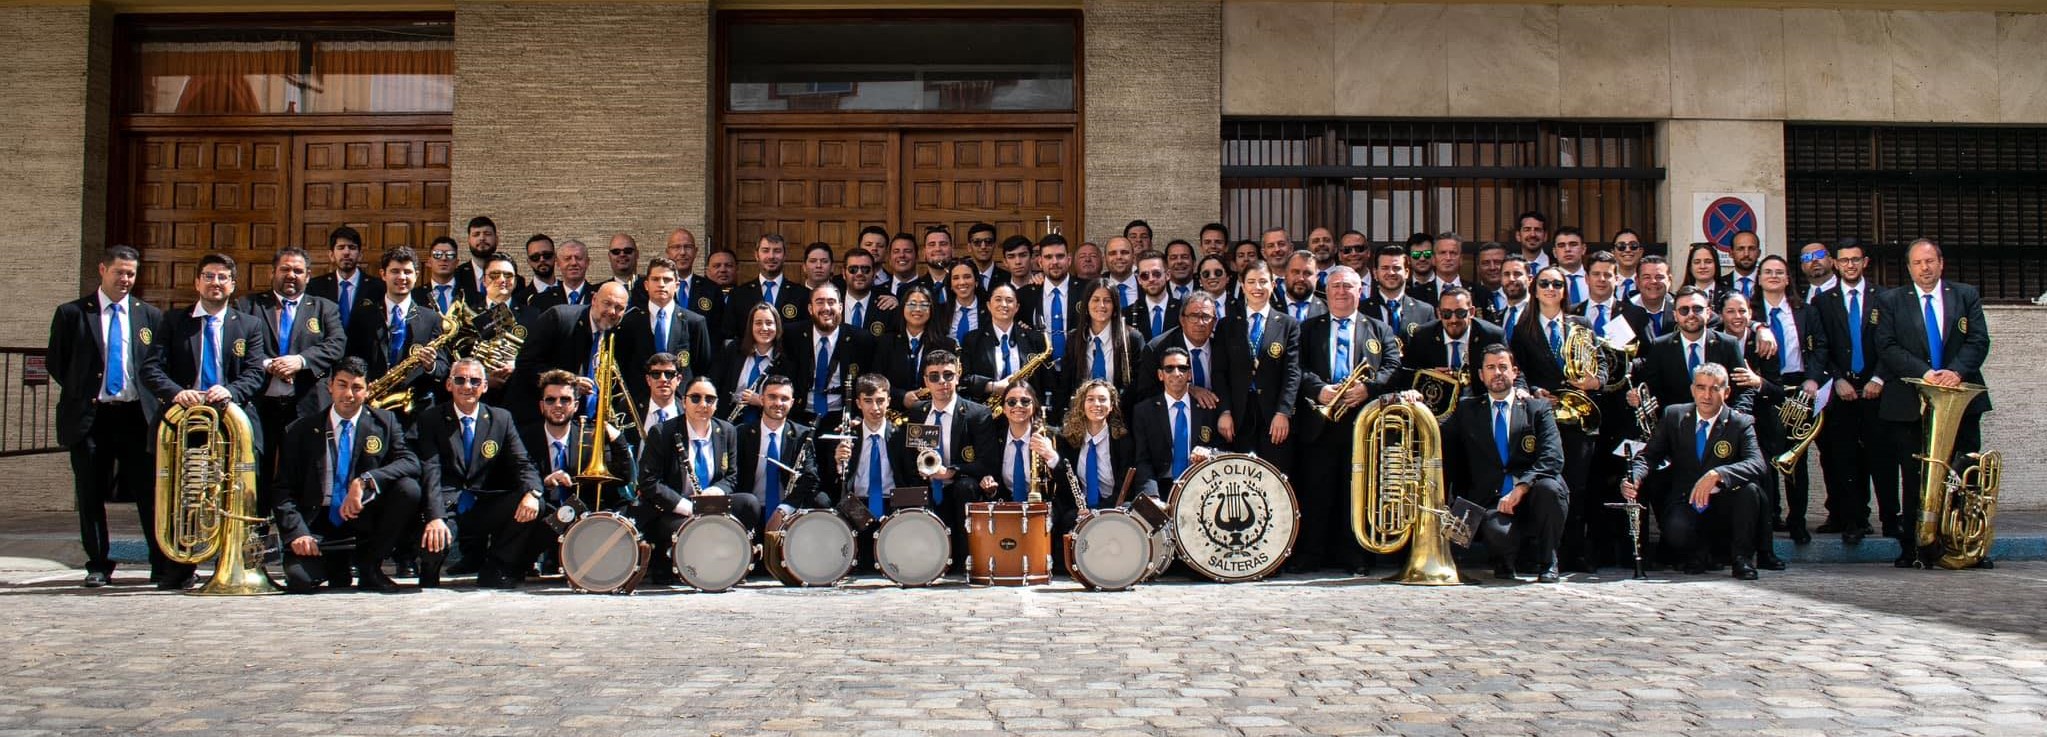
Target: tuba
{"points": [[1957, 510], [206, 497], [1801, 425], [1396, 488], [1582, 358]]}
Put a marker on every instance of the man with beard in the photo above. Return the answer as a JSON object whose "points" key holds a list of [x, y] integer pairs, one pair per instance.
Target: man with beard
{"points": [[1504, 454], [1353, 251], [348, 286], [441, 287], [823, 357], [1389, 301], [1301, 303], [624, 256], [1421, 267], [1531, 230], [1513, 292], [1322, 243], [1154, 311], [1451, 343], [867, 309], [1746, 250], [1855, 461], [483, 241], [981, 246], [1816, 264], [306, 337], [1057, 301], [540, 256], [789, 298]]}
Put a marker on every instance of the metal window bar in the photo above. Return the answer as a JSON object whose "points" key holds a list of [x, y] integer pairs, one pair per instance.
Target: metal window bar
{"points": [[28, 412]]}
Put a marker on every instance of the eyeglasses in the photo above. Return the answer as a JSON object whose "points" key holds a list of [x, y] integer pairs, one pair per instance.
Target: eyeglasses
{"points": [[466, 380], [941, 376], [1453, 314], [1851, 259], [1017, 402], [541, 256], [859, 269], [442, 256], [1422, 254], [1176, 369], [1356, 249], [1214, 274], [1549, 284], [217, 277], [558, 400], [1690, 309], [663, 374], [1152, 274], [1811, 257], [1627, 246], [917, 305], [624, 251], [702, 398]]}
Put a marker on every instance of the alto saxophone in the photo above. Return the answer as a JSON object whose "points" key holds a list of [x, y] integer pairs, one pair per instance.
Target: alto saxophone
{"points": [[389, 392], [1022, 372]]}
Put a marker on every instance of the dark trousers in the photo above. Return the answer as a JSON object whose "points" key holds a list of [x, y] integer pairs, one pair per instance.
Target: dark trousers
{"points": [[1255, 435], [1731, 515], [1856, 461], [373, 534], [953, 510], [115, 462], [1324, 494], [489, 532], [1538, 520], [1576, 545], [1909, 438], [660, 528]]}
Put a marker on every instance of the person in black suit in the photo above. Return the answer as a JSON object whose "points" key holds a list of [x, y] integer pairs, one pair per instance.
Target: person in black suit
{"points": [[1452, 343], [1299, 300], [662, 324], [1058, 302], [823, 357], [568, 337], [1096, 444], [1389, 300], [1538, 343], [1652, 295], [1762, 388], [1270, 354], [559, 447], [385, 332], [867, 309], [440, 288], [689, 457], [1799, 362], [1619, 326], [574, 287], [1155, 310], [868, 466], [540, 255], [1944, 357], [962, 305], [1219, 374], [1502, 451], [1712, 476], [1855, 461], [490, 323], [962, 424], [348, 286], [1179, 431], [1664, 368], [348, 478], [1103, 346], [746, 361], [483, 244], [97, 346], [1745, 250], [695, 291], [791, 299], [899, 354], [1334, 346], [781, 491], [476, 472], [1020, 459], [999, 349], [305, 339]]}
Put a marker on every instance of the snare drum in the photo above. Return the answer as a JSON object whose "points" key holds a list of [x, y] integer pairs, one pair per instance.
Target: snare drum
{"points": [[913, 547], [1109, 550], [602, 553], [1163, 546], [1009, 543], [813, 547], [712, 552]]}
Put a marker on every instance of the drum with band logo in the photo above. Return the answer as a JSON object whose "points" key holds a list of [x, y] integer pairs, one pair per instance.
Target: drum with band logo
{"points": [[1009, 543], [1109, 550], [912, 547], [1235, 518], [713, 552], [813, 547], [602, 553]]}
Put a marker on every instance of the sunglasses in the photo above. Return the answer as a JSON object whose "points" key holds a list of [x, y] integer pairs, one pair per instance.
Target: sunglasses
{"points": [[1453, 314], [859, 269], [1549, 284], [465, 381], [941, 376], [1690, 309], [1017, 402], [1356, 249], [624, 251], [663, 375], [702, 399], [1421, 254], [1214, 274], [1176, 369], [441, 256], [558, 400], [1152, 274], [541, 256], [500, 275], [1811, 257], [1627, 246]]}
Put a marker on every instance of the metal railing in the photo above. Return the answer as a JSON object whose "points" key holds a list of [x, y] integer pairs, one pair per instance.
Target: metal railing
{"points": [[28, 403]]}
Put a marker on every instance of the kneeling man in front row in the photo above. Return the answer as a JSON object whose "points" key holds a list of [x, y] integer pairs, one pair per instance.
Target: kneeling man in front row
{"points": [[1711, 479], [347, 488]]}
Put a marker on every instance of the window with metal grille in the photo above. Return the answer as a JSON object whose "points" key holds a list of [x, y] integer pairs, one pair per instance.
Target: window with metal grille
{"points": [[1390, 179], [1980, 192]]}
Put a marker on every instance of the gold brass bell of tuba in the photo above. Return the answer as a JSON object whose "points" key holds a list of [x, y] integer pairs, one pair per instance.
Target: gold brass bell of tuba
{"points": [[1581, 359], [1396, 484], [206, 498], [1958, 510], [1802, 424]]}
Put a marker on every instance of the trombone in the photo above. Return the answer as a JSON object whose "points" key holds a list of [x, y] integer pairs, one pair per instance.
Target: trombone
{"points": [[609, 387]]}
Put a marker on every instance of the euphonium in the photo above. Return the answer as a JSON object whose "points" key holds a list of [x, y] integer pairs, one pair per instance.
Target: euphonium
{"points": [[1396, 479], [1801, 425], [1956, 510], [1581, 359], [390, 391], [206, 497]]}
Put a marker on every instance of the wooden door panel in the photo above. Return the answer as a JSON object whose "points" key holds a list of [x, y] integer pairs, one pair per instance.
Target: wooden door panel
{"points": [[806, 185], [1010, 179], [391, 187], [196, 194]]}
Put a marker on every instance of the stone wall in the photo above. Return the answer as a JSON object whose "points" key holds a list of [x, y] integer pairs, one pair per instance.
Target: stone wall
{"points": [[579, 120], [53, 87], [2018, 391], [1153, 124]]}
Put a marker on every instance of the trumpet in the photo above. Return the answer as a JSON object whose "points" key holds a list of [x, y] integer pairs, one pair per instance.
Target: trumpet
{"points": [[1802, 424], [1337, 407], [1030, 366], [929, 463]]}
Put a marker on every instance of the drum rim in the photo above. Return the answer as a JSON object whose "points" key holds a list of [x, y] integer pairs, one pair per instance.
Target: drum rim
{"points": [[632, 552], [723, 520], [944, 539], [1074, 563], [1293, 538], [789, 527]]}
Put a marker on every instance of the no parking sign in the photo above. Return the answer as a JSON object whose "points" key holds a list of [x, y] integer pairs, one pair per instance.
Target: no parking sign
{"points": [[1717, 216]]}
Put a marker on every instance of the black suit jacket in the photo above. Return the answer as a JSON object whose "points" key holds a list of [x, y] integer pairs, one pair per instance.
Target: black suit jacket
{"points": [[369, 291], [979, 360], [1138, 314], [852, 354], [1315, 306], [689, 339], [1811, 348], [1414, 313], [558, 295], [876, 321], [77, 360], [1532, 355], [1663, 368], [902, 463], [945, 317], [307, 476], [792, 302], [964, 452], [499, 466], [730, 374], [896, 359], [1837, 339], [801, 492], [465, 279], [559, 338], [1730, 447], [369, 338], [426, 293], [1472, 460], [1155, 448], [665, 463], [1373, 349], [618, 459], [1122, 458], [1271, 378], [316, 337], [173, 364], [1229, 367], [704, 298], [1429, 348], [1078, 366], [1901, 338]]}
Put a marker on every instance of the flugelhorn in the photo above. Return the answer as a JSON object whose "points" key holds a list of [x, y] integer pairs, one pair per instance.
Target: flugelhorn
{"points": [[1337, 406]]}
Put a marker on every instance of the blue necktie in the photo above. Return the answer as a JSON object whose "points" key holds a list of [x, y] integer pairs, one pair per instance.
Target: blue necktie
{"points": [[1500, 444], [1339, 366], [1656, 324], [561, 455], [285, 318], [1058, 321], [860, 314], [209, 356], [1456, 356], [1257, 331], [467, 499], [820, 386], [1019, 481], [398, 336], [1300, 310], [1005, 355], [682, 292], [1122, 296], [1393, 314], [703, 464], [875, 486], [1855, 330], [773, 474], [1700, 443], [1513, 316], [1692, 363], [1777, 331], [1200, 375], [575, 295], [1936, 349], [1158, 321], [1556, 342], [1577, 291], [661, 330], [961, 325], [938, 487], [756, 364], [1744, 286], [917, 350], [1627, 288], [1094, 477], [117, 352], [347, 303], [1500, 302], [1599, 323], [1099, 367], [768, 292], [441, 295], [344, 462], [1180, 437]]}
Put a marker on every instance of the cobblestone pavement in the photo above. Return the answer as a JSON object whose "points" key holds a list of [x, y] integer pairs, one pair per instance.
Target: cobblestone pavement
{"points": [[1821, 651]]}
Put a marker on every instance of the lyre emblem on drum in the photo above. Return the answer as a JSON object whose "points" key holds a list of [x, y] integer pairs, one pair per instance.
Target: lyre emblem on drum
{"points": [[1233, 514]]}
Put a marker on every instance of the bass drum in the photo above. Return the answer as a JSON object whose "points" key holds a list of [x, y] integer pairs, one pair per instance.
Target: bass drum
{"points": [[912, 547], [712, 552], [602, 553], [1235, 518], [1109, 550], [813, 547]]}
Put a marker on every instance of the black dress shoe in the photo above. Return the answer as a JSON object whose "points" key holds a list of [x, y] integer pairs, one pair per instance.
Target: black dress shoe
{"points": [[1745, 572], [1830, 527], [1769, 562], [96, 579], [177, 582], [405, 569], [1549, 576], [1908, 560], [1800, 535], [1986, 564], [1853, 537], [1695, 566], [1503, 571], [374, 581], [1777, 525], [1892, 530]]}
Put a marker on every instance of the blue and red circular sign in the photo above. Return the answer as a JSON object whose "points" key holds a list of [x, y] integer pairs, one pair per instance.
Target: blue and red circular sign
{"points": [[1726, 217]]}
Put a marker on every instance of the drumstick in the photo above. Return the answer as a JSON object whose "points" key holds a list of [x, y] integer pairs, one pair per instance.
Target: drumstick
{"points": [[1129, 475]]}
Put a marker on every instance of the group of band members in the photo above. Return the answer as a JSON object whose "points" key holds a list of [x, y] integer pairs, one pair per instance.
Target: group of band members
{"points": [[1142, 362]]}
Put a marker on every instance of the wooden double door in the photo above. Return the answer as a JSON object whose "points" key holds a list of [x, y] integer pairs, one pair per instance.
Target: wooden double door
{"points": [[826, 185]]}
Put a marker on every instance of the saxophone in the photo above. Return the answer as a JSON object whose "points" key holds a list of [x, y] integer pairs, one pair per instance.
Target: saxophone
{"points": [[389, 392], [1029, 367]]}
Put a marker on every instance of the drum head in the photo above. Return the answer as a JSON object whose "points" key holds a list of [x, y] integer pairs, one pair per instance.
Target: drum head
{"points": [[713, 553], [818, 548], [1235, 518], [1111, 550], [913, 547], [1163, 550], [600, 552]]}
